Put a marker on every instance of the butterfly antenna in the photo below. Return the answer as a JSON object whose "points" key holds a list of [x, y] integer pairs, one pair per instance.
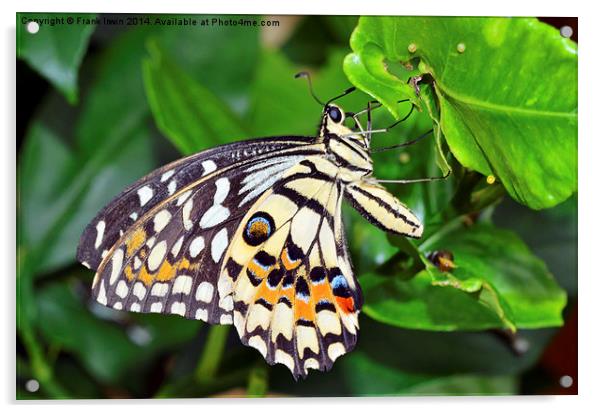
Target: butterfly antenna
{"points": [[345, 93], [311, 88]]}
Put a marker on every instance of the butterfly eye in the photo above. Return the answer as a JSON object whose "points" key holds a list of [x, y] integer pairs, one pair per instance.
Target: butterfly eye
{"points": [[335, 114], [258, 229]]}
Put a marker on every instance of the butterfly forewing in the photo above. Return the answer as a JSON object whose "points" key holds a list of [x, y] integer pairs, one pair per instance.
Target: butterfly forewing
{"points": [[169, 259], [135, 201]]}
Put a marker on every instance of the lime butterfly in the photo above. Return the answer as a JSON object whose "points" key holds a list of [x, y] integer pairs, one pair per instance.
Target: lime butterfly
{"points": [[250, 234]]}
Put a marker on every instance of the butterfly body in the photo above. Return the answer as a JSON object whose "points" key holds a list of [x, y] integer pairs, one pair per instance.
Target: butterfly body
{"points": [[249, 234]]}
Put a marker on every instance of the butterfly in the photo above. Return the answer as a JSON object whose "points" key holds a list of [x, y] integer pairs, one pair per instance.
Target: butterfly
{"points": [[250, 234]]}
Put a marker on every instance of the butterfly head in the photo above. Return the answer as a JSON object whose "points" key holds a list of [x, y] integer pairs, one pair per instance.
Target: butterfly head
{"points": [[350, 148], [333, 123]]}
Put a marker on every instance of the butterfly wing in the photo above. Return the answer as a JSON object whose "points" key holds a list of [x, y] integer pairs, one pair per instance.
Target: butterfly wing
{"points": [[383, 209], [163, 239], [145, 194], [288, 273]]}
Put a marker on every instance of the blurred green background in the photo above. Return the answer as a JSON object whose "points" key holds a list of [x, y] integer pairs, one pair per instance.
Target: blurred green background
{"points": [[99, 106]]}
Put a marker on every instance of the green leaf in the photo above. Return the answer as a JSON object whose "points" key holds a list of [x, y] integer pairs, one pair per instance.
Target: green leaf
{"points": [[418, 304], [508, 102], [119, 98], [60, 188], [436, 353], [221, 57], [283, 105], [55, 51], [191, 116], [368, 377], [104, 348], [497, 283], [341, 26], [60, 191]]}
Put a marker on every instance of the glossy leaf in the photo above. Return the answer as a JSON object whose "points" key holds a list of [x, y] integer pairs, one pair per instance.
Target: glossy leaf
{"points": [[55, 51], [496, 283], [191, 116], [60, 191], [283, 105], [108, 351], [367, 377], [506, 87]]}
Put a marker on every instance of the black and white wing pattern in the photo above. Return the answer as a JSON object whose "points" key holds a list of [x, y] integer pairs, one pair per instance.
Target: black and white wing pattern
{"points": [[249, 234], [159, 246], [288, 272]]}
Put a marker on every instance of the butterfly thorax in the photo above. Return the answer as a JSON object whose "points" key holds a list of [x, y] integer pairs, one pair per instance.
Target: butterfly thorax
{"points": [[349, 151]]}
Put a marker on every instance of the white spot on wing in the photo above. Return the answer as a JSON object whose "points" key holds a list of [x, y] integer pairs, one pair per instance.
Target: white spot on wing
{"points": [[196, 246], [239, 323], [175, 250], [122, 289], [219, 244], [336, 350], [225, 319], [100, 229], [156, 307], [258, 343], [227, 303], [102, 294], [214, 216], [186, 210], [204, 292], [182, 198], [224, 285], [182, 285], [201, 314], [284, 358], [178, 308], [160, 289], [135, 308], [139, 290], [134, 216], [161, 220], [223, 187], [171, 188], [311, 364], [167, 175], [116, 263], [145, 194], [208, 167], [155, 258]]}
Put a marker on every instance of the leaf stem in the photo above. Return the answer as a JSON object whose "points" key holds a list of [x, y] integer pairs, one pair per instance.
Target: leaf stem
{"points": [[258, 381], [212, 354], [40, 368]]}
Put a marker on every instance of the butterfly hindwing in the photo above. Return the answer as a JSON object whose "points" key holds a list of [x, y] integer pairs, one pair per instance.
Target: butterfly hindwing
{"points": [[295, 297], [168, 260]]}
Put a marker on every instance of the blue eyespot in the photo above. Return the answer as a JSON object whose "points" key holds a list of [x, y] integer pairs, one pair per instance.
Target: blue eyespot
{"points": [[339, 281]]}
